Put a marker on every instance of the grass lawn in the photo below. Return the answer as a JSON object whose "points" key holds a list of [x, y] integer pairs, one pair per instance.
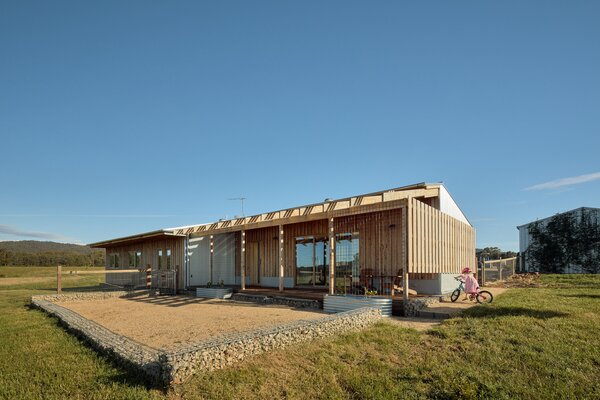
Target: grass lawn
{"points": [[536, 343]]}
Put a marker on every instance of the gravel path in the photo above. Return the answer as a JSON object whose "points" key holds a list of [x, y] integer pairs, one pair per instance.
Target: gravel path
{"points": [[172, 321]]}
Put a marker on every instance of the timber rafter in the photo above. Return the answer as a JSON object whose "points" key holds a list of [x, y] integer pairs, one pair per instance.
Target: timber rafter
{"points": [[329, 209]]}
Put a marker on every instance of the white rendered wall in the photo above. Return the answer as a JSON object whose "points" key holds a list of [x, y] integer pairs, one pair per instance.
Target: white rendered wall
{"points": [[269, 281], [448, 283], [444, 283]]}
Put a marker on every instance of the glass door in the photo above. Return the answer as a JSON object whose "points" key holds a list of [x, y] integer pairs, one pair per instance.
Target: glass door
{"points": [[312, 261]]}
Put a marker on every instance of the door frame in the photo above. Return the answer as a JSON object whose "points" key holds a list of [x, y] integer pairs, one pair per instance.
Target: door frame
{"points": [[326, 244]]}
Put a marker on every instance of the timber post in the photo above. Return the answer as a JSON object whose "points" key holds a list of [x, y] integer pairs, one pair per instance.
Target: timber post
{"points": [[212, 251], [148, 276], [409, 251], [331, 257], [280, 250], [243, 261], [58, 279]]}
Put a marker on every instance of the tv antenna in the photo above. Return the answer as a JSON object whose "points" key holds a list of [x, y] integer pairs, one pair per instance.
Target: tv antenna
{"points": [[241, 200]]}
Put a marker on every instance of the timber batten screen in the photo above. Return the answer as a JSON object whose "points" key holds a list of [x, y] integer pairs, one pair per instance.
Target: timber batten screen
{"points": [[438, 242]]}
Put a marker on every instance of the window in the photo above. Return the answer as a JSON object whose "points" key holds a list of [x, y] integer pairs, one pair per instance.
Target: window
{"points": [[168, 258], [312, 261], [113, 260], [160, 259], [131, 255], [135, 259]]}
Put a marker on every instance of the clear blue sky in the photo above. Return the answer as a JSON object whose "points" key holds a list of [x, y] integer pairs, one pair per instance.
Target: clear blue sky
{"points": [[118, 117]]}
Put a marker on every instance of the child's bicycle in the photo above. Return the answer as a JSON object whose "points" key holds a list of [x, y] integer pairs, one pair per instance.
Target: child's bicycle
{"points": [[483, 296]]}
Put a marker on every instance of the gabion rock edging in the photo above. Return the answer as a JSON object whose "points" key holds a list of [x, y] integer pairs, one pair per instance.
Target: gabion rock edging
{"points": [[278, 300], [416, 304], [124, 350], [76, 296], [227, 350], [170, 367]]}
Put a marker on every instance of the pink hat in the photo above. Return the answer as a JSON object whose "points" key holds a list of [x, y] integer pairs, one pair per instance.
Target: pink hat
{"points": [[466, 270]]}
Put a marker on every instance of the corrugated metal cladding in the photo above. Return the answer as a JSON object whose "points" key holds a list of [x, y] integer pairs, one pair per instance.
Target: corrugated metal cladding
{"points": [[224, 259], [199, 260], [337, 304]]}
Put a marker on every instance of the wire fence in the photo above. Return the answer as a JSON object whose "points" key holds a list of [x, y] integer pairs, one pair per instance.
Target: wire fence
{"points": [[367, 284], [497, 270], [157, 281]]}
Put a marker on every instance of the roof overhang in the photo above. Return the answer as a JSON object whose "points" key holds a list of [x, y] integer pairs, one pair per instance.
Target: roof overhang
{"points": [[159, 234], [325, 209], [297, 214]]}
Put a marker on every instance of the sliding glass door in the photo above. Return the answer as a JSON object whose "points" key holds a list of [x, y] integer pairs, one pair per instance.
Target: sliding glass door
{"points": [[312, 261]]}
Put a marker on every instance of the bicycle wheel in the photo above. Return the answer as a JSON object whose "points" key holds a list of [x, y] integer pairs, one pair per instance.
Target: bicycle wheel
{"points": [[454, 295], [484, 297]]}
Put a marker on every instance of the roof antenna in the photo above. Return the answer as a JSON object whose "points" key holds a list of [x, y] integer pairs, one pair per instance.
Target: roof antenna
{"points": [[241, 199]]}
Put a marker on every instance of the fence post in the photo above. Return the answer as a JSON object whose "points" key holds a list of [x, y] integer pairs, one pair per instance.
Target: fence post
{"points": [[148, 276], [500, 270], [58, 279], [483, 274]]}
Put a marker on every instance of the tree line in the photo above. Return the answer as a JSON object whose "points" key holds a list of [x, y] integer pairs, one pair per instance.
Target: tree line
{"points": [[52, 258], [493, 253]]}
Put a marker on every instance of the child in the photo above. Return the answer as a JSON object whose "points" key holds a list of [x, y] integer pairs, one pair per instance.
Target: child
{"points": [[471, 285]]}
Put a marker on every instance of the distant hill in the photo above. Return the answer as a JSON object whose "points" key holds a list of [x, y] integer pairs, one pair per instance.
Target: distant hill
{"points": [[33, 252], [36, 247]]}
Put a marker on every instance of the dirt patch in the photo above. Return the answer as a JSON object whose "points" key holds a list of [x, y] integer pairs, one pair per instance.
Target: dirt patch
{"points": [[448, 307], [519, 281], [170, 322]]}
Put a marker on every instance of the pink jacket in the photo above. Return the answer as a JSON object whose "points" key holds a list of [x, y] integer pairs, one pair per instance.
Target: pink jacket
{"points": [[471, 285]]}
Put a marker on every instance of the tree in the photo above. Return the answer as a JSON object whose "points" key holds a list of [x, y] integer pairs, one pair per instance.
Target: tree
{"points": [[491, 253]]}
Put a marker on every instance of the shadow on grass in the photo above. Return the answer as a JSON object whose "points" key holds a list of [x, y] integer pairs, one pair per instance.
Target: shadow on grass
{"points": [[125, 372], [495, 312], [585, 296]]}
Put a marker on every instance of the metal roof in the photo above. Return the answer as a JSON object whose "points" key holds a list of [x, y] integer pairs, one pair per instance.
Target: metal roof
{"points": [[172, 231], [559, 213]]}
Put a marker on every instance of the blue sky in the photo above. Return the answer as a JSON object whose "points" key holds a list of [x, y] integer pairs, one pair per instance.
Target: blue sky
{"points": [[122, 117]]}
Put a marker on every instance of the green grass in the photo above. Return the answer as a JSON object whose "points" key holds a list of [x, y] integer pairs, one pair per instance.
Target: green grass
{"points": [[571, 281], [23, 272], [39, 360], [44, 278], [535, 343]]}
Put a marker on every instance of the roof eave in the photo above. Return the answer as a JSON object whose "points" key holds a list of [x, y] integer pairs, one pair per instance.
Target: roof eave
{"points": [[134, 238]]}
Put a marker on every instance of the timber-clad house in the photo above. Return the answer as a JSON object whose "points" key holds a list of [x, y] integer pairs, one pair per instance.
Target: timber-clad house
{"points": [[413, 236]]}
